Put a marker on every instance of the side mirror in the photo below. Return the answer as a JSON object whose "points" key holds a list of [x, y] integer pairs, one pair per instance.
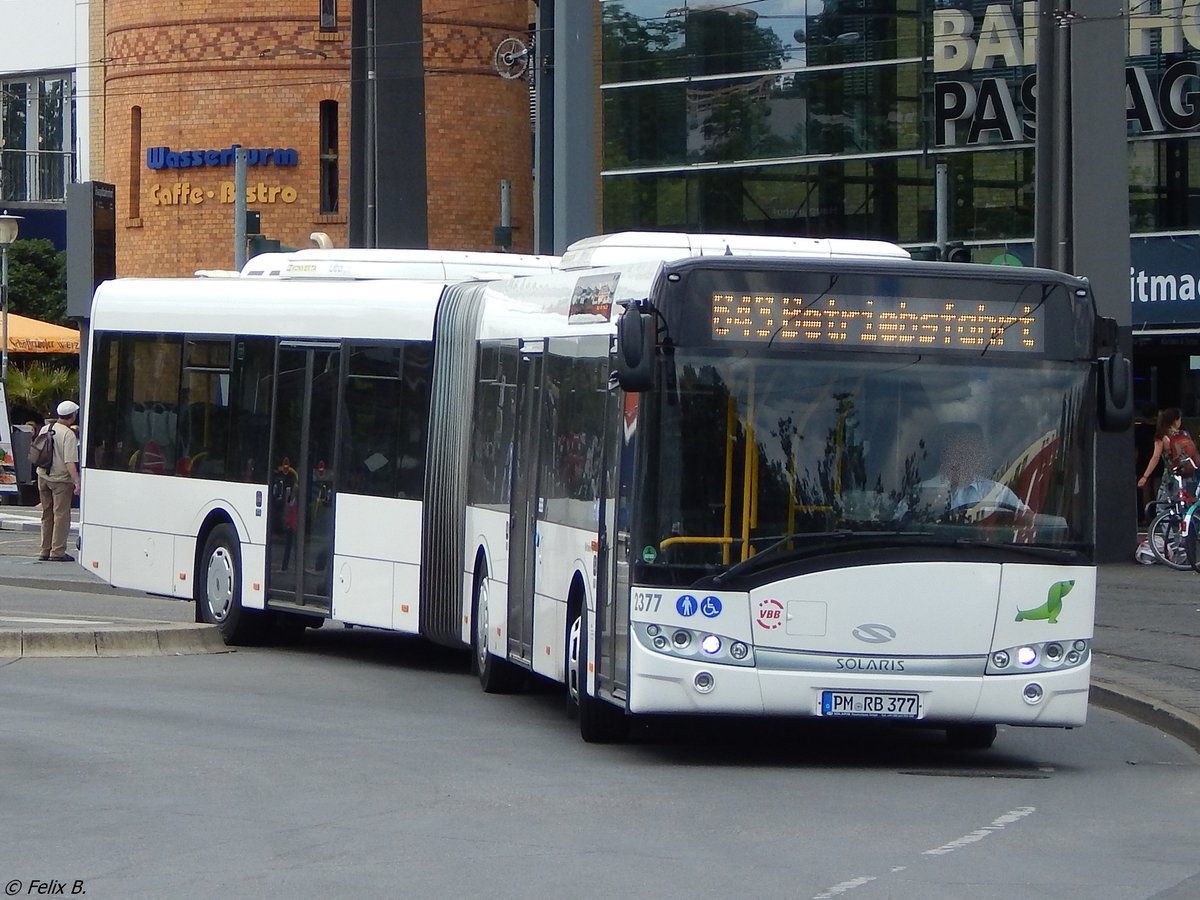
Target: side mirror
{"points": [[637, 341], [1114, 393]]}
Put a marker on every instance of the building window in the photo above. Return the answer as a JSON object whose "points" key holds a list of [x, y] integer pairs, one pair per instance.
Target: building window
{"points": [[329, 157], [37, 134], [329, 15], [135, 162]]}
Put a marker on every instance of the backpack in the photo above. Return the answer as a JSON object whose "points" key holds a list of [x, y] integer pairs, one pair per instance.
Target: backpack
{"points": [[1184, 456], [41, 449]]}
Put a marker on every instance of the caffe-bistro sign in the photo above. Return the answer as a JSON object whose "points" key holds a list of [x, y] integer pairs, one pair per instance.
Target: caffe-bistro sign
{"points": [[977, 108], [186, 193]]}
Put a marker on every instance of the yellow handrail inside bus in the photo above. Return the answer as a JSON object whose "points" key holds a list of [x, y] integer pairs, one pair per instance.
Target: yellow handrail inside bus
{"points": [[730, 426], [687, 539]]}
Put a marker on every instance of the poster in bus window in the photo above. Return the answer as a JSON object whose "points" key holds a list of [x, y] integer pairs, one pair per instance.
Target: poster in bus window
{"points": [[8, 471]]}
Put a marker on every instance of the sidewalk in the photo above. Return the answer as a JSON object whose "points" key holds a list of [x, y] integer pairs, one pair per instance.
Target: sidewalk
{"points": [[1145, 662], [101, 625]]}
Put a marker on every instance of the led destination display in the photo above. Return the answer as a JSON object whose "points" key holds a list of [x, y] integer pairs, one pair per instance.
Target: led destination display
{"points": [[880, 322]]}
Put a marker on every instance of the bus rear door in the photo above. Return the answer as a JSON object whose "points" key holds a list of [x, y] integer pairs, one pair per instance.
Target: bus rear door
{"points": [[302, 486]]}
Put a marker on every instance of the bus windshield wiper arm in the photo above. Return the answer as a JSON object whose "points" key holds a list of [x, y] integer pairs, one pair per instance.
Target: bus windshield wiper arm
{"points": [[753, 562]]}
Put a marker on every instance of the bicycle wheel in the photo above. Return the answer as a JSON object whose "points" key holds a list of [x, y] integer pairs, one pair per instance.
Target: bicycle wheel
{"points": [[1167, 541]]}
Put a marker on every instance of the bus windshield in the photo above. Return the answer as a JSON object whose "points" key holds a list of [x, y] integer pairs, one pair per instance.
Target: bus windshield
{"points": [[748, 453]]}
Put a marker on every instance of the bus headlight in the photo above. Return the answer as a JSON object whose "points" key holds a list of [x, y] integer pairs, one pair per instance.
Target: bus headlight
{"points": [[684, 643], [1043, 657]]}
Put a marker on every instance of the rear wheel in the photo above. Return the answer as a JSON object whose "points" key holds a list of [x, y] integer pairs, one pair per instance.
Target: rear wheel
{"points": [[1167, 540], [496, 675], [218, 590], [599, 722], [971, 737]]}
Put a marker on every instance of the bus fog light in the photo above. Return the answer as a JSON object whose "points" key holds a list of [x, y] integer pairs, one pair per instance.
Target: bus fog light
{"points": [[681, 639], [711, 644], [660, 643], [1026, 656], [704, 682], [1073, 657], [738, 650], [1080, 645], [1054, 652], [653, 630], [1000, 659], [1033, 693]]}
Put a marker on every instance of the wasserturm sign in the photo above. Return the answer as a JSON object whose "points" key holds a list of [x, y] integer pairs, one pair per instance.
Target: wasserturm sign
{"points": [[987, 106], [166, 158]]}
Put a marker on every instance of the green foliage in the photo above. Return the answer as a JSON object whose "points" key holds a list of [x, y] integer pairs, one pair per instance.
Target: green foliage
{"points": [[37, 281], [34, 389]]}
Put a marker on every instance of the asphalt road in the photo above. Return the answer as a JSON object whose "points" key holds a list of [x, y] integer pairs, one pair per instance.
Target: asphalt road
{"points": [[361, 764]]}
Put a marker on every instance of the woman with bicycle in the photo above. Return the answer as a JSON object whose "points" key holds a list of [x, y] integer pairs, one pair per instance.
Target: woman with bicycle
{"points": [[1176, 449], [1168, 537]]}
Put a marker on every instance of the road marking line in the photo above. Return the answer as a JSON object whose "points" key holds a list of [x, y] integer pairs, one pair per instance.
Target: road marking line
{"points": [[980, 833]]}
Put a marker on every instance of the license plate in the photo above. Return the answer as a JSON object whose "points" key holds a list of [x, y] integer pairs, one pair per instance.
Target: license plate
{"points": [[870, 704]]}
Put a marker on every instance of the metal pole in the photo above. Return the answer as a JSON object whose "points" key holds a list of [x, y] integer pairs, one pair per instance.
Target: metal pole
{"points": [[4, 315], [369, 161], [941, 199], [1063, 219], [239, 208], [1044, 140]]}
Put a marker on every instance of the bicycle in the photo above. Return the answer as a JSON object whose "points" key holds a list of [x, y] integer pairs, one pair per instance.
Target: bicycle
{"points": [[1171, 540]]}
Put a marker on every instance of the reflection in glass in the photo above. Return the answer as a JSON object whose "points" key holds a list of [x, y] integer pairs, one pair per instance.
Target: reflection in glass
{"points": [[756, 449]]}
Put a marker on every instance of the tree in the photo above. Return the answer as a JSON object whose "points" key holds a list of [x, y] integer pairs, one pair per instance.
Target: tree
{"points": [[37, 281], [35, 388]]}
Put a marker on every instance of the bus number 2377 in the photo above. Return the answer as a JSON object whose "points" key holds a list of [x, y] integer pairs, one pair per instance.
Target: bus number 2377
{"points": [[646, 601]]}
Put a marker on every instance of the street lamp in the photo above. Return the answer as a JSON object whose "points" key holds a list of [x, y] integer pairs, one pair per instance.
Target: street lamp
{"points": [[8, 233]]}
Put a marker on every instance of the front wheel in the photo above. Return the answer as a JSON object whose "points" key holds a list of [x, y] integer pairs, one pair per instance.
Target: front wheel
{"points": [[599, 722], [971, 737], [1168, 542], [218, 590]]}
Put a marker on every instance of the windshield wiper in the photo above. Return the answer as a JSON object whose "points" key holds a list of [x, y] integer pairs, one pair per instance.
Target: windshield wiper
{"points": [[808, 537]]}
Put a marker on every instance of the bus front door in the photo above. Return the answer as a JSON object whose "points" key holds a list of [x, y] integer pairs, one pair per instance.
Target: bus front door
{"points": [[523, 520], [302, 486]]}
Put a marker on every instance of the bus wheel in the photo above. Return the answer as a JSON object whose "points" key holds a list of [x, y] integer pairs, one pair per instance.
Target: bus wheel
{"points": [[599, 721], [218, 591], [971, 737], [571, 664], [496, 675]]}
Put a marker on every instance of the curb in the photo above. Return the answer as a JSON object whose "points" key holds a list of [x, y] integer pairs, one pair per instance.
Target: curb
{"points": [[1138, 706], [164, 639]]}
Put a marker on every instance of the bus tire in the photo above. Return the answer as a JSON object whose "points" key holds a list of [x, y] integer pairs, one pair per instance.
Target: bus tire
{"points": [[218, 591], [599, 721], [571, 663], [288, 628], [496, 675], [971, 737]]}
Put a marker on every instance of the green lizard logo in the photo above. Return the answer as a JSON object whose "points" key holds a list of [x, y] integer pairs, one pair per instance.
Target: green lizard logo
{"points": [[1053, 605]]}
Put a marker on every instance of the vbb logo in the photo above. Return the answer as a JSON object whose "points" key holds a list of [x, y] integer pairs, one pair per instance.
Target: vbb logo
{"points": [[770, 614]]}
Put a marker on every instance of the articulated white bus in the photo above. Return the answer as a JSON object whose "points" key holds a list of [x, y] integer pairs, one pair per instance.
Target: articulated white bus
{"points": [[703, 475]]}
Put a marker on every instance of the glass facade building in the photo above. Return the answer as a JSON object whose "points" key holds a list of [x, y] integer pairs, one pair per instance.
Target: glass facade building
{"points": [[37, 136], [828, 118]]}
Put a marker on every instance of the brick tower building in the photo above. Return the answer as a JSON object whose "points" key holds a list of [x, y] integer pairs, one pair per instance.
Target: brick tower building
{"points": [[179, 88]]}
